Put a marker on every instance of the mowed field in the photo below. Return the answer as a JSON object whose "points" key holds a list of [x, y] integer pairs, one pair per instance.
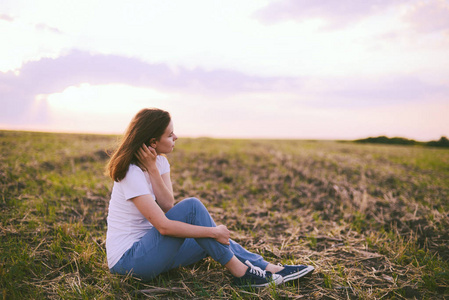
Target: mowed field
{"points": [[373, 220]]}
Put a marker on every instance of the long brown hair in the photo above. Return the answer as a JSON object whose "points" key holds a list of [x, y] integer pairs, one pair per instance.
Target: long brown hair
{"points": [[147, 124]]}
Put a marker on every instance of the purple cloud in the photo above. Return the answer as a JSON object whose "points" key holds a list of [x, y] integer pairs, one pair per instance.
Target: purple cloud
{"points": [[53, 75], [40, 26], [429, 16], [45, 27], [385, 90], [6, 18], [48, 76], [337, 13]]}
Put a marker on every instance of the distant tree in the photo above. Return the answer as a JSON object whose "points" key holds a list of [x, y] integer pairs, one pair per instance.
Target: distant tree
{"points": [[385, 140], [442, 142]]}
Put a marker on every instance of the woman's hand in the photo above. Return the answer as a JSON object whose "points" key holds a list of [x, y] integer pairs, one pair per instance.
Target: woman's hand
{"points": [[147, 158], [222, 234]]}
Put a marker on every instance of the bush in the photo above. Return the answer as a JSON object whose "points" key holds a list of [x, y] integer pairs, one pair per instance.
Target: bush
{"points": [[442, 142]]}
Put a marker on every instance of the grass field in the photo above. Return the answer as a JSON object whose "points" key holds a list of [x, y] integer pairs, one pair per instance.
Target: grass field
{"points": [[372, 220]]}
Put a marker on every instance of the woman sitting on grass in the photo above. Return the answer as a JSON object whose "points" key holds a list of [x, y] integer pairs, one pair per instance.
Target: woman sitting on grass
{"points": [[148, 234]]}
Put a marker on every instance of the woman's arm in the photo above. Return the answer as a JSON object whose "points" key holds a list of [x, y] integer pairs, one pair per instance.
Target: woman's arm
{"points": [[162, 186], [153, 213]]}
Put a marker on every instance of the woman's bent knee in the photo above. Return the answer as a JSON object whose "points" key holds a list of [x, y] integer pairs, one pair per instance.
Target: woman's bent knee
{"points": [[192, 211], [193, 202], [193, 205]]}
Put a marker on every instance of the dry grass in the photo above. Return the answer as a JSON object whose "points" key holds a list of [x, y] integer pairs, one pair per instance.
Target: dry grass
{"points": [[373, 220]]}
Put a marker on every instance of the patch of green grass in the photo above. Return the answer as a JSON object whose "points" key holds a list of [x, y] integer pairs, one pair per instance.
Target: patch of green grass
{"points": [[372, 219]]}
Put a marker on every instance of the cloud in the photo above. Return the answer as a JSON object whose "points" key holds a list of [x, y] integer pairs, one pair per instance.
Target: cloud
{"points": [[337, 13], [44, 27], [365, 92], [429, 16], [18, 92], [6, 18], [40, 26], [48, 76]]}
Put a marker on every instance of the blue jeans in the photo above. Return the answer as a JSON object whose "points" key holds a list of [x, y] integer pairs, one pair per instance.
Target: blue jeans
{"points": [[156, 253]]}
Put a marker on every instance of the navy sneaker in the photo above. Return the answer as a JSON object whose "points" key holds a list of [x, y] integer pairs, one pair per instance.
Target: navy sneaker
{"points": [[256, 277], [294, 272]]}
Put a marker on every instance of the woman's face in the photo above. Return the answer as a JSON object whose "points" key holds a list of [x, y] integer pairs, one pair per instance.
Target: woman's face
{"points": [[167, 141]]}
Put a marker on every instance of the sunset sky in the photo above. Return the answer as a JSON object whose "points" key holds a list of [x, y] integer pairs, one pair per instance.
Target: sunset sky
{"points": [[321, 69]]}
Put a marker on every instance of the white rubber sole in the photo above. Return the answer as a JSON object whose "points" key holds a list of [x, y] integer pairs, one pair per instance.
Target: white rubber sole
{"points": [[299, 274], [276, 279]]}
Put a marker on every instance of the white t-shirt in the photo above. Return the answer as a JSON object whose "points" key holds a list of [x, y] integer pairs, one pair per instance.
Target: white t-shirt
{"points": [[126, 225]]}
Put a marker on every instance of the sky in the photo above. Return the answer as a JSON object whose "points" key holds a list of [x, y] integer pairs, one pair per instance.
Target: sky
{"points": [[295, 69]]}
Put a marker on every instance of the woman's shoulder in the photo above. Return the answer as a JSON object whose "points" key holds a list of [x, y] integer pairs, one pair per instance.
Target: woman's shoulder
{"points": [[162, 158], [133, 170], [162, 164]]}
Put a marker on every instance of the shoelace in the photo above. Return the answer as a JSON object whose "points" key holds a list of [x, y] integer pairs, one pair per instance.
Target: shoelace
{"points": [[256, 270]]}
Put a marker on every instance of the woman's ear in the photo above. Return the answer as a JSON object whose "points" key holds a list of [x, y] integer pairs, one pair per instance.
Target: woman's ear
{"points": [[153, 143]]}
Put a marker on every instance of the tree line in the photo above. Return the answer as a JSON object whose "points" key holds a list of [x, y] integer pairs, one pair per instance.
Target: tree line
{"points": [[442, 142]]}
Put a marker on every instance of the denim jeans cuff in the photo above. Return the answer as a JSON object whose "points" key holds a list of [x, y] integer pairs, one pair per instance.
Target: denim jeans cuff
{"points": [[225, 258]]}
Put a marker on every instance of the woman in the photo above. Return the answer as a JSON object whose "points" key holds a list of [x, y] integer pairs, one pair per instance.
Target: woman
{"points": [[148, 235]]}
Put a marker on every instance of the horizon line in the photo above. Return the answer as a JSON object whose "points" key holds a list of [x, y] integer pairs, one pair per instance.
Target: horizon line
{"points": [[215, 137]]}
